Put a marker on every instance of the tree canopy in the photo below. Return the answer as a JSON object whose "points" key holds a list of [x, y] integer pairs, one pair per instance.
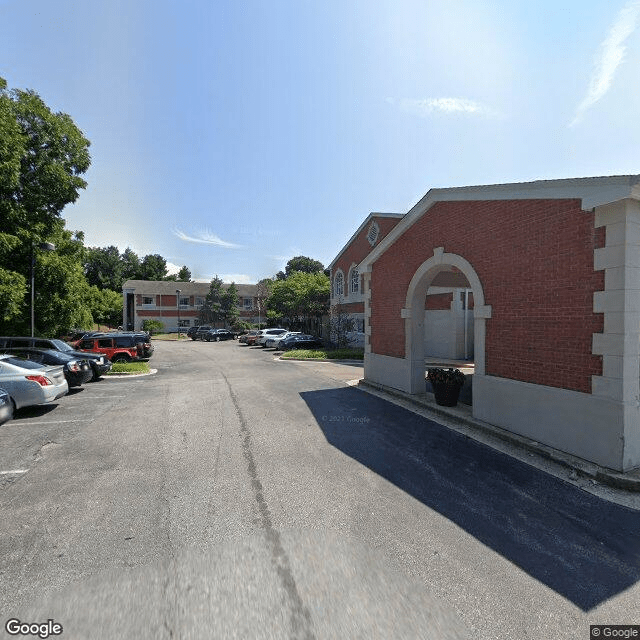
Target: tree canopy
{"points": [[42, 157]]}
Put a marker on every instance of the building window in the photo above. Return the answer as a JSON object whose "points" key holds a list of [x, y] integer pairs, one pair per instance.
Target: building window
{"points": [[148, 301], [199, 302], [372, 234], [248, 304], [184, 301], [355, 280], [338, 284], [184, 323]]}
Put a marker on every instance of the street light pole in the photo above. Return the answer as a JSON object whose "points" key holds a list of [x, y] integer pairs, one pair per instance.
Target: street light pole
{"points": [[45, 246], [178, 302]]}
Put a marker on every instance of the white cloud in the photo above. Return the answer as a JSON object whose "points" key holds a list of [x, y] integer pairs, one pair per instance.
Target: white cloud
{"points": [[428, 106], [611, 56], [172, 268], [205, 237], [238, 278]]}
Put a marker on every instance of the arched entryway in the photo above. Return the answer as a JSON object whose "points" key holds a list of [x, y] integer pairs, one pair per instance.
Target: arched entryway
{"points": [[414, 313]]}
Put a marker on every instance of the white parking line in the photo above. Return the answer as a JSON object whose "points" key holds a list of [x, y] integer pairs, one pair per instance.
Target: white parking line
{"points": [[14, 472], [59, 421]]}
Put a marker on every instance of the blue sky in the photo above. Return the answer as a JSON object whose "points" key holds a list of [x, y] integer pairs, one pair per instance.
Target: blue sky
{"points": [[232, 135]]}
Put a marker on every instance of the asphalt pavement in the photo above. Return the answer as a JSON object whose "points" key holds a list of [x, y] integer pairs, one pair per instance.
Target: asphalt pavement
{"points": [[233, 495]]}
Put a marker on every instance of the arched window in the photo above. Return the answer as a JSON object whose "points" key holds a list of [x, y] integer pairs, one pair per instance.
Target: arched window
{"points": [[338, 284], [355, 280]]}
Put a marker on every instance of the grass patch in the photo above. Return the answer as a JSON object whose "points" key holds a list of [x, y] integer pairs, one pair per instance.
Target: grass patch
{"points": [[325, 354], [131, 368]]}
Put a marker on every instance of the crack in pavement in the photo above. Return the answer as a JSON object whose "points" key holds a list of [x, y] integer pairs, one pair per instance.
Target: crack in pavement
{"points": [[301, 623]]}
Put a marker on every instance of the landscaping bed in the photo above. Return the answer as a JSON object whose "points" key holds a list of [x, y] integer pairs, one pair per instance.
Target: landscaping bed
{"points": [[324, 354]]}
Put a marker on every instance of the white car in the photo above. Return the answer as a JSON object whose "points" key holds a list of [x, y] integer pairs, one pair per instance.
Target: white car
{"points": [[29, 383], [274, 341], [269, 333]]}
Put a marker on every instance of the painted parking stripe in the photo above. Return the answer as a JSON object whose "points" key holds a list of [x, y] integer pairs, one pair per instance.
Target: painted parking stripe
{"points": [[59, 421], [14, 472]]}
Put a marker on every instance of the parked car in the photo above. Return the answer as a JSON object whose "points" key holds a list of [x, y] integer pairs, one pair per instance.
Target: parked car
{"points": [[6, 407], [251, 339], [269, 333], [29, 383], [100, 363], [191, 332], [244, 338], [118, 348], [200, 331], [77, 371], [300, 341], [217, 334], [142, 339], [274, 341]]}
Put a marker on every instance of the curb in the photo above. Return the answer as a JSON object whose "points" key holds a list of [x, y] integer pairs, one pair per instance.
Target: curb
{"points": [[629, 481], [336, 360], [122, 376]]}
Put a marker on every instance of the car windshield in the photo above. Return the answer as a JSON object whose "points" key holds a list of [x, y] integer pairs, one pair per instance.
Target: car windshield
{"points": [[61, 345]]}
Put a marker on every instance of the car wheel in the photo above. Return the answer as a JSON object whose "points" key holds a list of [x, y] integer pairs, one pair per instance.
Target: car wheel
{"points": [[217, 338], [120, 358]]}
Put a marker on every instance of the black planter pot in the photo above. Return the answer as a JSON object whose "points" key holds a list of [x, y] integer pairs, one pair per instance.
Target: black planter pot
{"points": [[446, 394]]}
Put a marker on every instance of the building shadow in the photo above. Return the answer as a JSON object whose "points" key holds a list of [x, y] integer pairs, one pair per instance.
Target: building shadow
{"points": [[584, 548]]}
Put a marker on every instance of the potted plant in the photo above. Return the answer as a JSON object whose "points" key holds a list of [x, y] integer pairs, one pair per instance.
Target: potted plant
{"points": [[446, 385]]}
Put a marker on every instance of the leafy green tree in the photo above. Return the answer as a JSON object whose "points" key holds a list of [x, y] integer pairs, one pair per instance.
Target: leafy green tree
{"points": [[229, 305], [304, 264], [103, 267], [303, 298], [131, 268], [153, 267], [105, 306], [211, 308], [42, 157], [184, 275]]}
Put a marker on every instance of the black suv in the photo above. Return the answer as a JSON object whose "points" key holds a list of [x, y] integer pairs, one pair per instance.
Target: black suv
{"points": [[99, 362]]}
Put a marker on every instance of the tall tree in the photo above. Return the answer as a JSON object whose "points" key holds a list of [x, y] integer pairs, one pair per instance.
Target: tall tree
{"points": [[303, 264], [42, 157], [210, 312], [184, 275], [229, 305], [131, 269], [153, 267], [303, 298], [103, 267]]}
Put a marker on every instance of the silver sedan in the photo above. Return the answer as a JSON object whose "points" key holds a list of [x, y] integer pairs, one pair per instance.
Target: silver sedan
{"points": [[6, 407], [29, 383]]}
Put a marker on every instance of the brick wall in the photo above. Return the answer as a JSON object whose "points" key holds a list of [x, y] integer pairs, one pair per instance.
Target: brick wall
{"points": [[360, 248], [534, 259], [439, 302]]}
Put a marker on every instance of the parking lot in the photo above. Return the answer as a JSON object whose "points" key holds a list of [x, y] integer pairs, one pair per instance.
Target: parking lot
{"points": [[233, 494]]}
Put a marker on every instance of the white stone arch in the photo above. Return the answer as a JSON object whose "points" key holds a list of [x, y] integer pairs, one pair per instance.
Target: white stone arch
{"points": [[413, 313]]}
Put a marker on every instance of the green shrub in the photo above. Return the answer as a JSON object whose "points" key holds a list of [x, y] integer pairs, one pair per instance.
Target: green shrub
{"points": [[152, 326]]}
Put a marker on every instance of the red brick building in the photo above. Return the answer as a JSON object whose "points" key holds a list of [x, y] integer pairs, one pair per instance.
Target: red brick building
{"points": [[553, 268]]}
